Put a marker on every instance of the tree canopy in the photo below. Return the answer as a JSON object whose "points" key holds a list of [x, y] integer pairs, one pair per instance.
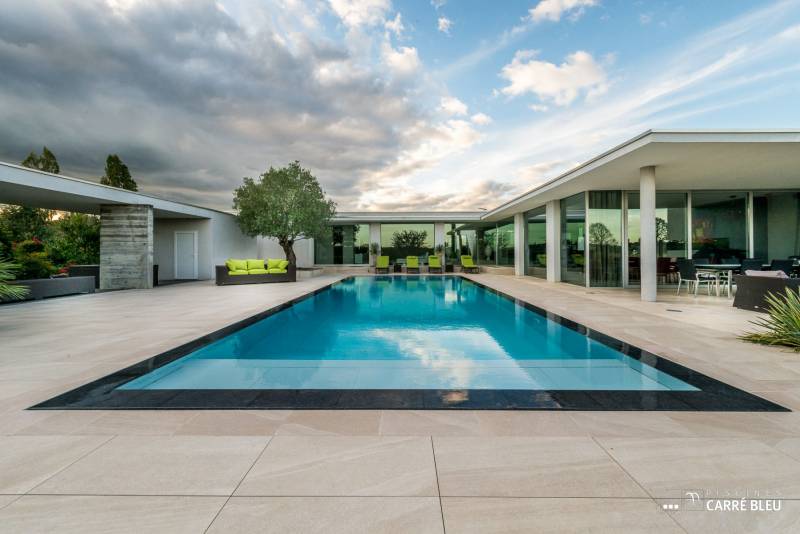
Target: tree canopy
{"points": [[285, 204], [409, 239], [118, 175], [47, 162]]}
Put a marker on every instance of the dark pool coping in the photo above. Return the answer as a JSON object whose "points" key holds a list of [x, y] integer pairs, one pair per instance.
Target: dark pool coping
{"points": [[713, 395]]}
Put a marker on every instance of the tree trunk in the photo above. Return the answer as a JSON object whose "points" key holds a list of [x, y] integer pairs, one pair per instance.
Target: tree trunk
{"points": [[288, 249]]}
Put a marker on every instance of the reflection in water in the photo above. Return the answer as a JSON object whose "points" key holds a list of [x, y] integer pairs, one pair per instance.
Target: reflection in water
{"points": [[406, 333]]}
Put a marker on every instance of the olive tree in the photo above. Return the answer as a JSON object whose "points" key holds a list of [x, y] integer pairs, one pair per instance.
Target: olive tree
{"points": [[286, 204]]}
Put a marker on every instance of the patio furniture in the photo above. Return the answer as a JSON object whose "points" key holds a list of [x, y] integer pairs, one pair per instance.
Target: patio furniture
{"points": [[752, 264], [382, 264], [753, 288], [434, 264], [412, 264], [42, 288], [782, 265], [688, 273], [665, 270], [237, 272], [722, 271], [467, 265]]}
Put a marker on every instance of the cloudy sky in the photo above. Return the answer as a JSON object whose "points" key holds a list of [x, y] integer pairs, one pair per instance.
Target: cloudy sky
{"points": [[427, 104]]}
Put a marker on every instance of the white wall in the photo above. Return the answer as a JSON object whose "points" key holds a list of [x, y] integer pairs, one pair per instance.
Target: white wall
{"points": [[303, 249], [164, 246], [228, 241]]}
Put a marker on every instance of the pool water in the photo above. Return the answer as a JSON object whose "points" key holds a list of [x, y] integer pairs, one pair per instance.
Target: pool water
{"points": [[405, 333]]}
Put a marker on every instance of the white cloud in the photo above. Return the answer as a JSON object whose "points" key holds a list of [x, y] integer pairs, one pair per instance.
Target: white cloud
{"points": [[554, 9], [539, 108], [403, 61], [355, 13], [444, 25], [481, 119], [560, 84], [453, 106], [396, 26], [438, 3]]}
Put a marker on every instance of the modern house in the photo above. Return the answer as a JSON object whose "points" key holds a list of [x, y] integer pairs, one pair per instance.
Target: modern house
{"points": [[617, 220]]}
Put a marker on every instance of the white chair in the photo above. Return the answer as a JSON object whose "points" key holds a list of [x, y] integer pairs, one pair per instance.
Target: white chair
{"points": [[693, 278]]}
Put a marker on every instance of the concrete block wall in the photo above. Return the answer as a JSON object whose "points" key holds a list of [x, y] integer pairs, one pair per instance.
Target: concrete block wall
{"points": [[126, 246]]}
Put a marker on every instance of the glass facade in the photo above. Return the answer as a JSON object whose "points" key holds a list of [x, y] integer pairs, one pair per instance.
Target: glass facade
{"points": [[487, 243], [776, 225], [605, 238], [537, 243], [345, 244], [406, 239], [671, 234], [573, 239], [719, 226]]}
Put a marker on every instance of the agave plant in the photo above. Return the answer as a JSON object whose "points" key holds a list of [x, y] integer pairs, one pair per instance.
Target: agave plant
{"points": [[782, 324], [10, 291]]}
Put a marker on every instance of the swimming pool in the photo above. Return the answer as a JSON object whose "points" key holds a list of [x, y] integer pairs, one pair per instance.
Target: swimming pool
{"points": [[406, 342]]}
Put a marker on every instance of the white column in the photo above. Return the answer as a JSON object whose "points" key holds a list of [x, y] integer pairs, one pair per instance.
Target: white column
{"points": [[647, 222], [553, 247], [520, 244], [439, 237]]}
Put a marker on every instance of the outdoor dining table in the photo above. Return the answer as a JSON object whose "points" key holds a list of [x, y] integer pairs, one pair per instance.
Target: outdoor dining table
{"points": [[720, 268]]}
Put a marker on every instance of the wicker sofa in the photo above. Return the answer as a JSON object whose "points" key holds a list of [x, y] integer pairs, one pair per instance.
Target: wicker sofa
{"points": [[256, 274], [751, 291]]}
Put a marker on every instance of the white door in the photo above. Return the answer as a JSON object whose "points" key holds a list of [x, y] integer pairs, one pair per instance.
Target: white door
{"points": [[185, 255]]}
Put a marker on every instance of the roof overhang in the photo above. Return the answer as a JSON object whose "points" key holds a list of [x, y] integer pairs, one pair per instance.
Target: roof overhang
{"points": [[407, 216], [29, 187], [684, 160]]}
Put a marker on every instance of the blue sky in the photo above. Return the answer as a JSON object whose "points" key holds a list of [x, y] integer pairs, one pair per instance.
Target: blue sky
{"points": [[440, 105]]}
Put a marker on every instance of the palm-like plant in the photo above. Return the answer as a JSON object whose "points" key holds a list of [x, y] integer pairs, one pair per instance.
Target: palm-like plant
{"points": [[782, 325], [10, 291]]}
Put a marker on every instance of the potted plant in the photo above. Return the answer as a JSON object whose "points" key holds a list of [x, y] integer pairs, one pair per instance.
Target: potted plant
{"points": [[374, 252]]}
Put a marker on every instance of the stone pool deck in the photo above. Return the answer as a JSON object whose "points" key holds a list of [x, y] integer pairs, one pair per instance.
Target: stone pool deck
{"points": [[382, 471]]}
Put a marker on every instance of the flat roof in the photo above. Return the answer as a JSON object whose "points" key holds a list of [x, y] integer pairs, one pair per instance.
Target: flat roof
{"points": [[31, 187]]}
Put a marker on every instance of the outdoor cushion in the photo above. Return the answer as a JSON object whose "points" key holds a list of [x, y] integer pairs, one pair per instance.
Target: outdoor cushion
{"points": [[256, 271], [283, 264], [237, 272], [466, 261], [767, 274], [383, 262], [273, 264], [276, 271], [433, 261], [412, 261], [255, 264], [236, 265]]}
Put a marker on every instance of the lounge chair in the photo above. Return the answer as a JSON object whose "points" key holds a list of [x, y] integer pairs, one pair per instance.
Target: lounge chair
{"points": [[468, 266], [434, 265], [412, 264], [382, 264]]}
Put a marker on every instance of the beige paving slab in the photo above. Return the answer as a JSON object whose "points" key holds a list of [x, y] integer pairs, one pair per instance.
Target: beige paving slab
{"points": [[529, 467], [330, 515], [477, 423], [343, 465], [26, 461], [5, 500], [666, 467], [33, 514], [560, 515], [138, 423], [645, 424], [783, 521], [160, 465], [62, 422], [234, 423], [732, 424], [331, 422]]}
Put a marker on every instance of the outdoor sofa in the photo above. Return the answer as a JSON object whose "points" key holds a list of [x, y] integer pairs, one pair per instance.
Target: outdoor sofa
{"points": [[752, 288], [236, 272]]}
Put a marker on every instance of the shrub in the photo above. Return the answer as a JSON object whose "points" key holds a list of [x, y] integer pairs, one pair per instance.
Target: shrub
{"points": [[32, 260], [8, 291], [782, 324], [75, 239]]}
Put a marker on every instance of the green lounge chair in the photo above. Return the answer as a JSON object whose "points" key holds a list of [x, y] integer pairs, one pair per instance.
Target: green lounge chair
{"points": [[467, 265], [434, 265], [412, 264], [382, 264]]}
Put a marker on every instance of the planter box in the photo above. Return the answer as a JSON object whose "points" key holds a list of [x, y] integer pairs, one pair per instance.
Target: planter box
{"points": [[56, 287], [94, 270]]}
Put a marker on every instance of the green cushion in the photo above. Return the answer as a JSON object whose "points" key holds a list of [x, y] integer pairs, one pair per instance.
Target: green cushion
{"points": [[238, 272], [255, 264], [412, 261], [273, 264], [276, 271], [256, 271], [283, 264], [433, 261], [466, 261], [236, 265], [383, 262]]}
